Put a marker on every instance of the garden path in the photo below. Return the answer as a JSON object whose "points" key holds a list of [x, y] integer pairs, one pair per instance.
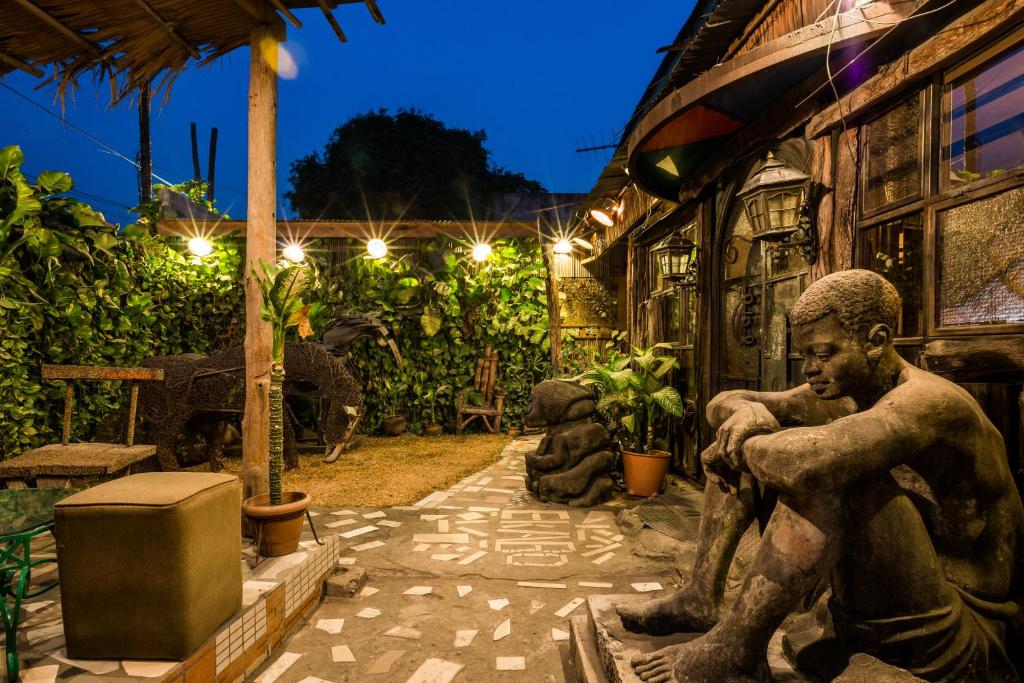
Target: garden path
{"points": [[475, 583]]}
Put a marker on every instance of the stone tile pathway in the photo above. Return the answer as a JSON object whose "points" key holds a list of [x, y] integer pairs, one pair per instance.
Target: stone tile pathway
{"points": [[475, 583]]}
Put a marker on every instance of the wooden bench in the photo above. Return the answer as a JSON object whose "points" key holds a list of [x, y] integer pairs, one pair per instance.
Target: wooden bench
{"points": [[485, 383], [69, 464]]}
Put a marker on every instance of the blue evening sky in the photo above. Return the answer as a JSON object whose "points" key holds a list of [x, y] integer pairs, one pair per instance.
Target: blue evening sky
{"points": [[542, 77]]}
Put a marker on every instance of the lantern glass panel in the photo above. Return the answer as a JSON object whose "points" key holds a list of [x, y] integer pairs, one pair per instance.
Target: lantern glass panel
{"points": [[784, 209], [755, 214]]}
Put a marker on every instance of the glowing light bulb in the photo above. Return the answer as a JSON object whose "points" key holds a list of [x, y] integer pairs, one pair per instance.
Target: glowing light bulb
{"points": [[562, 246], [200, 246], [376, 248], [481, 252], [294, 253]]}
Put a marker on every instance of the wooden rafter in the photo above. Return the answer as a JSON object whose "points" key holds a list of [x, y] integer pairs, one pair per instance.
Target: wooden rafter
{"points": [[171, 31], [374, 11], [253, 10], [48, 19], [18, 64], [393, 230], [287, 13], [326, 9]]}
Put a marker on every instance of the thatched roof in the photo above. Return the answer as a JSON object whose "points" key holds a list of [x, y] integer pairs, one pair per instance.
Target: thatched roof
{"points": [[134, 42]]}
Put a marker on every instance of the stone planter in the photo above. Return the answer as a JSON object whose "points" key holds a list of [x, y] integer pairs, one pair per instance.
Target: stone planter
{"points": [[645, 472], [276, 528], [394, 425]]}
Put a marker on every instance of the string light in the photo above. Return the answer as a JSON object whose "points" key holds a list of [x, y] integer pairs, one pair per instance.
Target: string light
{"points": [[200, 247], [481, 251], [562, 246], [294, 253], [376, 248]]}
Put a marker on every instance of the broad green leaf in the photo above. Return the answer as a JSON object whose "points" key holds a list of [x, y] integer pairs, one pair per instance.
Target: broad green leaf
{"points": [[629, 422], [430, 321], [11, 159], [54, 182], [668, 399]]}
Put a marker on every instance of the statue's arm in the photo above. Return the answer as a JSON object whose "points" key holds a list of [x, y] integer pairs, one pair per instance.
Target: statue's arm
{"points": [[798, 406], [847, 451]]}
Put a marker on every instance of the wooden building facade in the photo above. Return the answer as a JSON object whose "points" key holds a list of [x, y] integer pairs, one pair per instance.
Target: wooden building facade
{"points": [[907, 120]]}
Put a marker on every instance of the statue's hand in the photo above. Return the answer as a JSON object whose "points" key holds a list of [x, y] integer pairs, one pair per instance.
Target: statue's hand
{"points": [[718, 471], [749, 420]]}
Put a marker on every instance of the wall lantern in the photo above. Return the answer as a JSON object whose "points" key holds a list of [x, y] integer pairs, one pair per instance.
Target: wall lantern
{"points": [[677, 259], [605, 212], [777, 203]]}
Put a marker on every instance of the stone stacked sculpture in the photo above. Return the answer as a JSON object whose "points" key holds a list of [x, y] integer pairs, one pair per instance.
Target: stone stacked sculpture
{"points": [[571, 464]]}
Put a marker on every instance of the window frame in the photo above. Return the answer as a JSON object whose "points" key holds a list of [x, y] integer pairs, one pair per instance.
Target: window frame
{"points": [[923, 160], [936, 197]]}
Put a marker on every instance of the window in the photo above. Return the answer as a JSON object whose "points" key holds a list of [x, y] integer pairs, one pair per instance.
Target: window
{"points": [[981, 261], [892, 157], [983, 120], [895, 249]]}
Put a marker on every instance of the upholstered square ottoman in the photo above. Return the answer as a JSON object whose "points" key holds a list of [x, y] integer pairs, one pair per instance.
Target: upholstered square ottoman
{"points": [[150, 564]]}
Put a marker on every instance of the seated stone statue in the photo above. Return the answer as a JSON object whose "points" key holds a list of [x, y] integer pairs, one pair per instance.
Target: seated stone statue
{"points": [[890, 482], [572, 461]]}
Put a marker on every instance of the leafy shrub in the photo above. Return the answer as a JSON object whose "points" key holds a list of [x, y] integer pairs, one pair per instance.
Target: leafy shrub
{"points": [[75, 290], [444, 310]]}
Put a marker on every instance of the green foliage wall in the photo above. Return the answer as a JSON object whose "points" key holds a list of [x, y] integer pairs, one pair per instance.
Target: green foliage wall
{"points": [[444, 309], [75, 290]]}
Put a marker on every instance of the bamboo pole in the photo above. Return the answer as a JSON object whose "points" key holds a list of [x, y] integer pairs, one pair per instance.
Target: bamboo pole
{"points": [[260, 245], [145, 147]]}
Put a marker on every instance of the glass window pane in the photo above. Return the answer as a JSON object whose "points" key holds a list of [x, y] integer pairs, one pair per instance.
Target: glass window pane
{"points": [[893, 156], [981, 261], [895, 250], [984, 121]]}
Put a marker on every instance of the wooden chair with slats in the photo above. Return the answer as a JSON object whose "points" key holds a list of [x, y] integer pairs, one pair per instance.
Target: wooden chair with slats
{"points": [[487, 392]]}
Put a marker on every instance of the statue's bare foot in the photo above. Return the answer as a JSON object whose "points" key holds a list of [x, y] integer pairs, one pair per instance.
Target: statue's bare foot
{"points": [[700, 661], [681, 612]]}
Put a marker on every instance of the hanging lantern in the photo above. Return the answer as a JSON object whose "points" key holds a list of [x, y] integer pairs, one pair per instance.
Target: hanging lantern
{"points": [[605, 212], [776, 204], [677, 260]]}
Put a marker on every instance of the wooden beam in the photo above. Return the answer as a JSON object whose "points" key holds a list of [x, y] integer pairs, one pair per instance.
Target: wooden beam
{"points": [[980, 26], [183, 227], [169, 28], [326, 9], [375, 11], [287, 13], [46, 18], [18, 64], [100, 372], [261, 245]]}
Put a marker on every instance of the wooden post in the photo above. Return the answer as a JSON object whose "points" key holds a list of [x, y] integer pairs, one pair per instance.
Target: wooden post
{"points": [[554, 316], [145, 147], [260, 245]]}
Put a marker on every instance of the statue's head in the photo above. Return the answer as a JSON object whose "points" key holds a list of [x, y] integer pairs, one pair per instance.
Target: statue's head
{"points": [[843, 324], [554, 401]]}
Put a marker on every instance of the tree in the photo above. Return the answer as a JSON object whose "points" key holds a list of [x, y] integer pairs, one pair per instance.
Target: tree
{"points": [[380, 165]]}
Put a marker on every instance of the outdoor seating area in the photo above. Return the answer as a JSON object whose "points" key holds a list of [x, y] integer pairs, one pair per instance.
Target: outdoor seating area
{"points": [[414, 376]]}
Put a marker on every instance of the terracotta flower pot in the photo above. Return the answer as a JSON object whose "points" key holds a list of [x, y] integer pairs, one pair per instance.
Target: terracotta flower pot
{"points": [[277, 528], [513, 431], [433, 429], [645, 472], [394, 425]]}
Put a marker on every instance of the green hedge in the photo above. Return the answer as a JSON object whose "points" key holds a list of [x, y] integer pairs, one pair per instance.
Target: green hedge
{"points": [[444, 309], [75, 290]]}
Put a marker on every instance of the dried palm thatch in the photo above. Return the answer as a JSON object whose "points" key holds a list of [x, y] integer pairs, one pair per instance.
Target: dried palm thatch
{"points": [[135, 42]]}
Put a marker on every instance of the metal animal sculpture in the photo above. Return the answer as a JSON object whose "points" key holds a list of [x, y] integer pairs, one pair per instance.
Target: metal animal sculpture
{"points": [[215, 386]]}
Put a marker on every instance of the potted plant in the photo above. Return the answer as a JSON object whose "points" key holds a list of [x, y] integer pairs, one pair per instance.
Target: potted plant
{"points": [[632, 390], [393, 423], [276, 517], [434, 428]]}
